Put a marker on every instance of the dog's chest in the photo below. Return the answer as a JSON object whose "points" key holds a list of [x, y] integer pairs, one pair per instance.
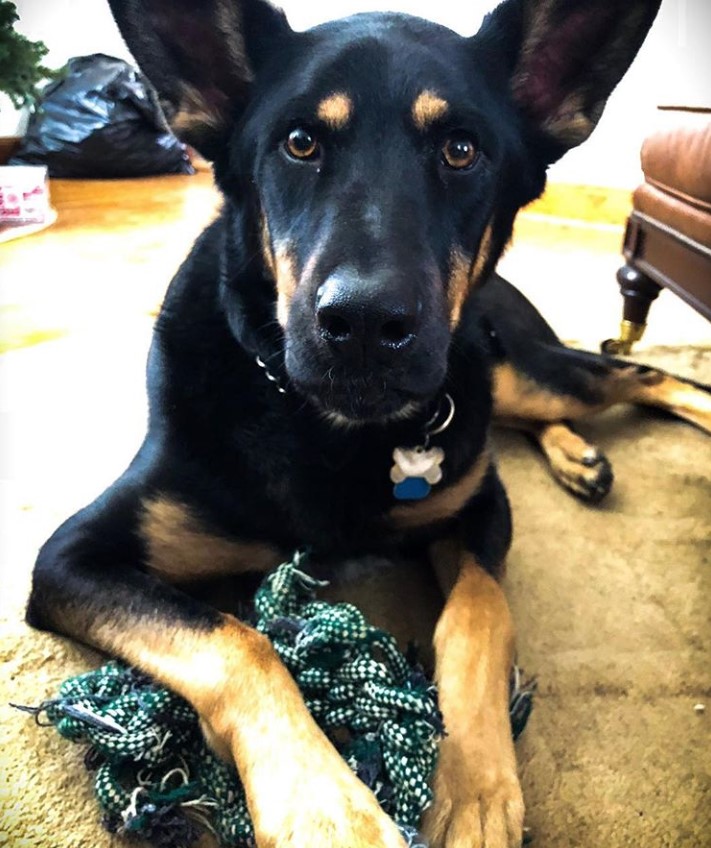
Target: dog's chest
{"points": [[331, 492], [339, 494]]}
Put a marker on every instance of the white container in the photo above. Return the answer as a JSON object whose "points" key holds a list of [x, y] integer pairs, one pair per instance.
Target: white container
{"points": [[24, 194]]}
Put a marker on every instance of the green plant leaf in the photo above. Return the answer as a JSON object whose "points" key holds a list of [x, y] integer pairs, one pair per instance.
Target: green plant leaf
{"points": [[21, 68]]}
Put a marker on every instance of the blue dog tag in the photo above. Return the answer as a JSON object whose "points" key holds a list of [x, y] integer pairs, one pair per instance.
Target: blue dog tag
{"points": [[412, 489]]}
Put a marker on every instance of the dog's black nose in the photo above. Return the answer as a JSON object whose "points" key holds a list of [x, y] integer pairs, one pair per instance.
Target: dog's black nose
{"points": [[361, 316]]}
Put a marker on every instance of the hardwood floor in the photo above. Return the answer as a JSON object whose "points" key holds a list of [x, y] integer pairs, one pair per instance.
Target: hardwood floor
{"points": [[116, 244], [112, 251]]}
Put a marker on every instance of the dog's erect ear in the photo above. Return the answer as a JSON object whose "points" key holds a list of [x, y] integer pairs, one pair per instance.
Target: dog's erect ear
{"points": [[566, 57], [197, 55]]}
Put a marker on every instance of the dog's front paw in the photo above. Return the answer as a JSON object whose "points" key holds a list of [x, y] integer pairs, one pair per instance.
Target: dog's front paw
{"points": [[322, 820], [326, 806], [476, 805]]}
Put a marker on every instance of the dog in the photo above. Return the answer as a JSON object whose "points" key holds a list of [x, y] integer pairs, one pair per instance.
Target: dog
{"points": [[325, 368]]}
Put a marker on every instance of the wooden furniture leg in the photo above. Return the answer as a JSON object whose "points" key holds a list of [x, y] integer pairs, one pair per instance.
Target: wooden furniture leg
{"points": [[638, 292]]}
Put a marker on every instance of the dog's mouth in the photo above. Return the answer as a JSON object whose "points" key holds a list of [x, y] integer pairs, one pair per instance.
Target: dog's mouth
{"points": [[360, 401], [368, 388]]}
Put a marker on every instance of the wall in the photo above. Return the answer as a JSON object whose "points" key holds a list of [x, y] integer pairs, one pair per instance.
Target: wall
{"points": [[674, 65]]}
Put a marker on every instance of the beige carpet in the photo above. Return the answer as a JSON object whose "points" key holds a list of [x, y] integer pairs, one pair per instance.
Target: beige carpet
{"points": [[612, 605]]}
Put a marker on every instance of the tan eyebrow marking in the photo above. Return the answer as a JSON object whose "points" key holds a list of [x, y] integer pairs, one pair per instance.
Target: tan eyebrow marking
{"points": [[335, 110], [428, 108]]}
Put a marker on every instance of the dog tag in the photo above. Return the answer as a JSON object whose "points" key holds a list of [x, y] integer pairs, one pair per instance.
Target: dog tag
{"points": [[417, 462], [415, 471], [412, 489]]}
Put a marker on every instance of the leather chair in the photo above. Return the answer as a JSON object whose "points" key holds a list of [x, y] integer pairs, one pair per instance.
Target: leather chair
{"points": [[668, 238]]}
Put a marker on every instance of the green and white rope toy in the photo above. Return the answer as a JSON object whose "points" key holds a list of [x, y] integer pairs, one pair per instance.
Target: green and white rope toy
{"points": [[157, 780]]}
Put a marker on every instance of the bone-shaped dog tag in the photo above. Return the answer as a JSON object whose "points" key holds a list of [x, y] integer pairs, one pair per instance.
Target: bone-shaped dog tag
{"points": [[415, 471]]}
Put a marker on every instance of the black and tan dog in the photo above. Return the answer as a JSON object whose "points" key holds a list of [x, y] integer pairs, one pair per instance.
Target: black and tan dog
{"points": [[325, 367]]}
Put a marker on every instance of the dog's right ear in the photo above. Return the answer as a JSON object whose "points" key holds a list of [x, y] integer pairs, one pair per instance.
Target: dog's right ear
{"points": [[197, 55]]}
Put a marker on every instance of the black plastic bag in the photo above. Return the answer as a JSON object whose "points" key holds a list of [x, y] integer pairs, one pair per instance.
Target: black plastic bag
{"points": [[101, 120]]}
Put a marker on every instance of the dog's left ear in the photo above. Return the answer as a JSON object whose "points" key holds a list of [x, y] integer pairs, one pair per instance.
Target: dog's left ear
{"points": [[200, 56], [565, 58]]}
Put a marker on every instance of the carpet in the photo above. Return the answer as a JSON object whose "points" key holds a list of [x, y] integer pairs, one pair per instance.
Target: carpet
{"points": [[612, 610]]}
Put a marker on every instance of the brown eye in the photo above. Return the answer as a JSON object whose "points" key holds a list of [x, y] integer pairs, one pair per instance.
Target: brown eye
{"points": [[302, 145], [459, 152]]}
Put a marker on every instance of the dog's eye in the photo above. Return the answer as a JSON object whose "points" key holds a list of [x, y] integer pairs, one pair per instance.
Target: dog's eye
{"points": [[300, 144], [459, 152]]}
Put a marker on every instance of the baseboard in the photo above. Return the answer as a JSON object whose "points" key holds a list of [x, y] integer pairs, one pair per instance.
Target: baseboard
{"points": [[8, 146], [595, 205]]}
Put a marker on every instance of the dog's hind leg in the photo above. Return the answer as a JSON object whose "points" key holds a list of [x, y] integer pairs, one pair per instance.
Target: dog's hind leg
{"points": [[556, 383], [684, 398], [572, 385], [540, 386], [577, 464]]}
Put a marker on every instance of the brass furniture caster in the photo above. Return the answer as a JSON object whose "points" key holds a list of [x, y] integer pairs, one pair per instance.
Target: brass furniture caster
{"points": [[630, 332]]}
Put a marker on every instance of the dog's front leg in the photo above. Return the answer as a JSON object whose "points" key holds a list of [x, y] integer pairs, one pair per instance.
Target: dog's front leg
{"points": [[478, 802], [300, 793], [299, 790]]}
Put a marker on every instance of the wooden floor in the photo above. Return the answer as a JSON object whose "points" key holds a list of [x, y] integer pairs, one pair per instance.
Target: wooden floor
{"points": [[112, 250], [116, 244]]}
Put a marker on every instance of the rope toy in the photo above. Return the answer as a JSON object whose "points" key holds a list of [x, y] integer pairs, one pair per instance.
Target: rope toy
{"points": [[157, 780]]}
